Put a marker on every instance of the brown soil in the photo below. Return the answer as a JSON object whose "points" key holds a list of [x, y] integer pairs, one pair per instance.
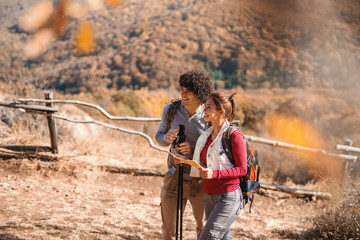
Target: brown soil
{"points": [[64, 200]]}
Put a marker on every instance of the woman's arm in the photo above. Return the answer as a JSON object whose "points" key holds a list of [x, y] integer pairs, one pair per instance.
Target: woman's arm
{"points": [[240, 157]]}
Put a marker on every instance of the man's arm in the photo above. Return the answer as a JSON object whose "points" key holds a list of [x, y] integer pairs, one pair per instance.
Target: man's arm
{"points": [[160, 135]]}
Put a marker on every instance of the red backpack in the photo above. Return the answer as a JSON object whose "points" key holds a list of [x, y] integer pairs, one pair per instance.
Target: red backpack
{"points": [[249, 184]]}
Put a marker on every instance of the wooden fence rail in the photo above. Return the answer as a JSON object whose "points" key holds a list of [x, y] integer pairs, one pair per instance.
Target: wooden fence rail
{"points": [[29, 108], [107, 125], [109, 116], [300, 148], [97, 107], [250, 138], [348, 148], [100, 109]]}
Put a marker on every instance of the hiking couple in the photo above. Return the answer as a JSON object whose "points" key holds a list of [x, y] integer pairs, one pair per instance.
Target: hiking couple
{"points": [[214, 190]]}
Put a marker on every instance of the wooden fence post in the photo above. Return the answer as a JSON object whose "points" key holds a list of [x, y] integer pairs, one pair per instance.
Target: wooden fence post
{"points": [[347, 142], [49, 95]]}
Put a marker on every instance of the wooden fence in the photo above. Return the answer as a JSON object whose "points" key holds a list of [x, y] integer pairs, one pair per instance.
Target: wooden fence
{"points": [[34, 151], [49, 111], [140, 119]]}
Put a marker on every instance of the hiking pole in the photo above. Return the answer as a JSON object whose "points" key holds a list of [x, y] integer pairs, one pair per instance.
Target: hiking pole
{"points": [[179, 206], [179, 213]]}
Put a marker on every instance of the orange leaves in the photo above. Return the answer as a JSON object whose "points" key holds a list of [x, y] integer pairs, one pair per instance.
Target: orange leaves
{"points": [[60, 19], [49, 20], [37, 44], [294, 130], [85, 39], [297, 131], [37, 20], [37, 16], [114, 3]]}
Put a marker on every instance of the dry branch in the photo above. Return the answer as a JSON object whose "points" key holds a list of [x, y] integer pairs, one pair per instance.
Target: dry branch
{"points": [[296, 191], [23, 148], [132, 171], [7, 153], [299, 148]]}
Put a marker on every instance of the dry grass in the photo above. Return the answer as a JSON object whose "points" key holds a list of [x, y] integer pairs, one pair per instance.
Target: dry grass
{"points": [[339, 218]]}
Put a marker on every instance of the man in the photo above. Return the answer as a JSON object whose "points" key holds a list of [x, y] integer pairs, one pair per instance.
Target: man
{"points": [[195, 86]]}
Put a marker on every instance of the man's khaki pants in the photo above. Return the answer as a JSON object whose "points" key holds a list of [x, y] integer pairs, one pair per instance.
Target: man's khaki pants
{"points": [[192, 191]]}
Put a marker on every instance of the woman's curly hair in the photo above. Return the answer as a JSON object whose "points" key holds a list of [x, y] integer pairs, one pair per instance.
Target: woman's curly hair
{"points": [[199, 82]]}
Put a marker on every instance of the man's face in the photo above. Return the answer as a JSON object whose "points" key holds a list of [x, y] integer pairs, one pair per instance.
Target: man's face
{"points": [[188, 98]]}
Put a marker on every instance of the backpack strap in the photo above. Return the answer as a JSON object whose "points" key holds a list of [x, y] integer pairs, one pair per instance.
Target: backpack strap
{"points": [[251, 201], [226, 143], [248, 148], [169, 117], [170, 114]]}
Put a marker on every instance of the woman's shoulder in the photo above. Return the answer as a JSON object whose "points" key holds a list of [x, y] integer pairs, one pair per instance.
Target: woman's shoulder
{"points": [[237, 134]]}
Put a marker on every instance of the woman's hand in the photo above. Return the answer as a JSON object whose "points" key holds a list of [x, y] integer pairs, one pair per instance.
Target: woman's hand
{"points": [[206, 173], [185, 148], [171, 135], [176, 161]]}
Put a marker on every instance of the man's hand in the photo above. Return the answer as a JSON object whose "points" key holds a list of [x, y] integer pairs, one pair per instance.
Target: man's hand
{"points": [[206, 173], [171, 135], [185, 148]]}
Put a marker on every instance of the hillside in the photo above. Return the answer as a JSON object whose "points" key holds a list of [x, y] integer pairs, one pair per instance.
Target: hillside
{"points": [[149, 43]]}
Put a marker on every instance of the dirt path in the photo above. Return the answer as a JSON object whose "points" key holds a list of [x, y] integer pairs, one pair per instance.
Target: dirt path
{"points": [[39, 201]]}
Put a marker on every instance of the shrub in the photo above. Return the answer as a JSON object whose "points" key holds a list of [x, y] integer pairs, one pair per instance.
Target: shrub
{"points": [[130, 100], [341, 218]]}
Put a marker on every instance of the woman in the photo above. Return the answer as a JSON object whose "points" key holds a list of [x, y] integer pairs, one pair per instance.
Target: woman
{"points": [[223, 196]]}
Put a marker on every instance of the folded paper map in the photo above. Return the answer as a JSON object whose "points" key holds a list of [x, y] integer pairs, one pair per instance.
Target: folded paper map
{"points": [[187, 161]]}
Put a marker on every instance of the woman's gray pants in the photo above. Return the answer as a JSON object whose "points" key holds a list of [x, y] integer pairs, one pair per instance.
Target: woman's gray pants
{"points": [[221, 210]]}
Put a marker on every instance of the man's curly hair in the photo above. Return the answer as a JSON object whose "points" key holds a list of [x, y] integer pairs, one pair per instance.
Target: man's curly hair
{"points": [[199, 82]]}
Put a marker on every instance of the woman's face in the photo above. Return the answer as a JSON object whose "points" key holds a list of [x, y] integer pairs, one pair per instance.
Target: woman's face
{"points": [[188, 98], [211, 114]]}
